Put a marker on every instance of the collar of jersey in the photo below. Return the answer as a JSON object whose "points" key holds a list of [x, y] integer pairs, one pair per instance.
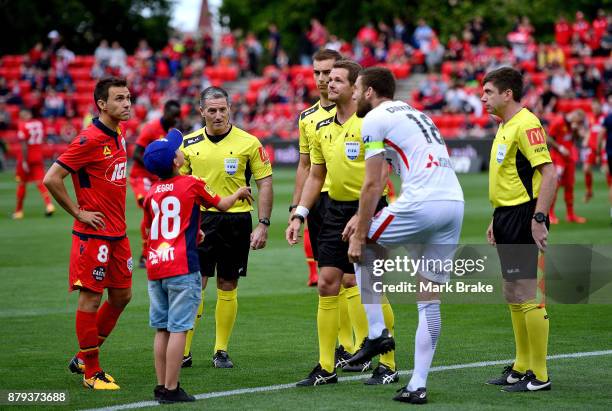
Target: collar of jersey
{"points": [[216, 139], [515, 117], [347, 120], [327, 108], [96, 122]]}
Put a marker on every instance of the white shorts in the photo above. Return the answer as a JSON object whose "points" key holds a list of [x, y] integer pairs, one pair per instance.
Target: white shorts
{"points": [[428, 223]]}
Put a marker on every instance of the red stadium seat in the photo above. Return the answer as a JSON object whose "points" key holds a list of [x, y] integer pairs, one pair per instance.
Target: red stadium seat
{"points": [[564, 105], [529, 66], [538, 78], [25, 86], [12, 61], [13, 110]]}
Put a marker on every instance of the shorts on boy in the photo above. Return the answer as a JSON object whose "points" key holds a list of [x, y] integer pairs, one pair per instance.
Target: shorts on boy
{"points": [[175, 301]]}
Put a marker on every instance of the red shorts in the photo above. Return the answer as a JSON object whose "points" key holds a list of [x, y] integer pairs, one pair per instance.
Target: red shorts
{"points": [[140, 187], [566, 172], [96, 264], [35, 173], [593, 159]]}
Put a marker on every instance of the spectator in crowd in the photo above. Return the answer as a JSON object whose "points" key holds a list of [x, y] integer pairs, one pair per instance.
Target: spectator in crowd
{"points": [[143, 52], [578, 47], [5, 116], [563, 32], [254, 50], [477, 31], [36, 52], [118, 59], [591, 81], [274, 43], [53, 105], [548, 100], [317, 34], [102, 56], [305, 49], [422, 35], [581, 27], [399, 30], [334, 43], [561, 82]]}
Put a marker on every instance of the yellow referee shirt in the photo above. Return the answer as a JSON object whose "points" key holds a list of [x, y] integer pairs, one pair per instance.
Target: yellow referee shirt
{"points": [[307, 123], [519, 146], [341, 149], [227, 164]]}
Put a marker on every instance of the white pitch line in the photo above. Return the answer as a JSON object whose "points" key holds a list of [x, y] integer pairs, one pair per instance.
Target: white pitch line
{"points": [[217, 394]]}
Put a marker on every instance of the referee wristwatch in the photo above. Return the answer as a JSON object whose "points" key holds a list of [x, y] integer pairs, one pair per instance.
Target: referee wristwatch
{"points": [[265, 221], [539, 218]]}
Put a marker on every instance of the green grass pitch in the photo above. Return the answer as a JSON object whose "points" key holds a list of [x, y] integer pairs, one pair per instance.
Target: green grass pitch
{"points": [[274, 339]]}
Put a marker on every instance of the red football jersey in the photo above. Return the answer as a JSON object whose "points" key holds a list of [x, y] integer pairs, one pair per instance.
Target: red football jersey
{"points": [[150, 132], [596, 125], [98, 163], [33, 133], [172, 215], [560, 131], [563, 33]]}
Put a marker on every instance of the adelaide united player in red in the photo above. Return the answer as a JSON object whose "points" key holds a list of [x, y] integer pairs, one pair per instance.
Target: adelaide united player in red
{"points": [[594, 154], [100, 257], [30, 165], [566, 131], [140, 179]]}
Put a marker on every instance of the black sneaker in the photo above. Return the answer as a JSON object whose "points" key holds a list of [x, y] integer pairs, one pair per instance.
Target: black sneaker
{"points": [[528, 383], [363, 367], [222, 360], [382, 375], [341, 356], [508, 377], [318, 376], [371, 348], [187, 361], [142, 262], [176, 395], [413, 397], [158, 391]]}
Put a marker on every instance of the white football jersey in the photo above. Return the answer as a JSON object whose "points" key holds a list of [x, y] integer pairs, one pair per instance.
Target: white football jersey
{"points": [[415, 149]]}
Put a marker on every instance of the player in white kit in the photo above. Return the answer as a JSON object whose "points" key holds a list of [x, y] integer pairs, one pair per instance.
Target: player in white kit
{"points": [[428, 212]]}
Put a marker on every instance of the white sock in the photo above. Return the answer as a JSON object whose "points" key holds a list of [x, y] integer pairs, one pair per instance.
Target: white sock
{"points": [[376, 320], [425, 342]]}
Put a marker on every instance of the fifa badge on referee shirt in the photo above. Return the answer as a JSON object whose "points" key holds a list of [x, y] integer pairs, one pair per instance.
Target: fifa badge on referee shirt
{"points": [[501, 152], [231, 166], [351, 149]]}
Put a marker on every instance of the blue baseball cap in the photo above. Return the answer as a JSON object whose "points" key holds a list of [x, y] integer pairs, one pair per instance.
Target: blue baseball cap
{"points": [[159, 155]]}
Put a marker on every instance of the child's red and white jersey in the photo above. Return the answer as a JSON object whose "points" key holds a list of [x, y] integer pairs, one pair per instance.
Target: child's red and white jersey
{"points": [[416, 151], [172, 216]]}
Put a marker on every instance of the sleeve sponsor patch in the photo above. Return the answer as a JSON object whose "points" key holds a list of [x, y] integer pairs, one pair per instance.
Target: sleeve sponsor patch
{"points": [[309, 111], [192, 140], [535, 136], [324, 122], [263, 155]]}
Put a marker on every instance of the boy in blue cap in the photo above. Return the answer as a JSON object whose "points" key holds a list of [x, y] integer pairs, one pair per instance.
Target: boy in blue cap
{"points": [[172, 217]]}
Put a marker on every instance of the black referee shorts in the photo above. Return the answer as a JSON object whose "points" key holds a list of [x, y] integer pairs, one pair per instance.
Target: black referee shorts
{"points": [[227, 240], [315, 221], [516, 247], [333, 252]]}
